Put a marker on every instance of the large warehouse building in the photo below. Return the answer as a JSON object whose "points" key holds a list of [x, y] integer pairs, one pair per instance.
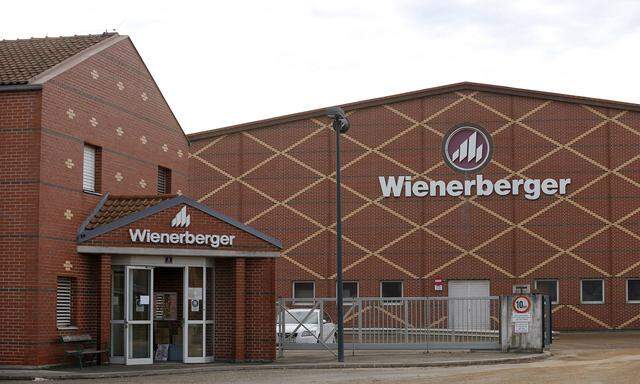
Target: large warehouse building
{"points": [[475, 186], [118, 230]]}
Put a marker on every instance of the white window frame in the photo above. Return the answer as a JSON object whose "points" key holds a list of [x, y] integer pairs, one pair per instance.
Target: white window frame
{"points": [[303, 300], [592, 302], [350, 300], [535, 283], [93, 188], [627, 290], [401, 291]]}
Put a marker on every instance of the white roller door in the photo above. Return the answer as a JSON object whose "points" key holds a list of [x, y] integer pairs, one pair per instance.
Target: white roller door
{"points": [[466, 312]]}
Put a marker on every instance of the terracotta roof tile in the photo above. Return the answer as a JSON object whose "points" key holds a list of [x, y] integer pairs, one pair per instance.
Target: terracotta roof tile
{"points": [[22, 59], [117, 207]]}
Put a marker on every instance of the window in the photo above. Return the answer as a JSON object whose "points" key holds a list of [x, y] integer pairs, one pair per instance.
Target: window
{"points": [[91, 168], [391, 289], [349, 290], [633, 290], [63, 302], [549, 287], [164, 180], [592, 291], [303, 291]]}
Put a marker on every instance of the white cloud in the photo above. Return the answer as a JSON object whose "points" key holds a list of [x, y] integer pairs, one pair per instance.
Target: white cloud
{"points": [[220, 63]]}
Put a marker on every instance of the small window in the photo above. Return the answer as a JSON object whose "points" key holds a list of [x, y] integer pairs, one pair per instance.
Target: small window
{"points": [[91, 168], [592, 291], [391, 289], [349, 291], [633, 290], [303, 291], [549, 287], [63, 302], [164, 180]]}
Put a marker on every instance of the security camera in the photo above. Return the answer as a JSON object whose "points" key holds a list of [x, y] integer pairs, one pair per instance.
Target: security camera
{"points": [[340, 121]]}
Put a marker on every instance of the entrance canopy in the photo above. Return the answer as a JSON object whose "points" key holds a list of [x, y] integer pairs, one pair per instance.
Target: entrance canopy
{"points": [[169, 225]]}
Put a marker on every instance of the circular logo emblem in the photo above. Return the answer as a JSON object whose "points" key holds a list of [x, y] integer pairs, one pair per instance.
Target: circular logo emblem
{"points": [[467, 148], [521, 304]]}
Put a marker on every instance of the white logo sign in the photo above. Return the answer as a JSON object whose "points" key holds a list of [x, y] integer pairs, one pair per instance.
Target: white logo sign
{"points": [[182, 219], [467, 148]]}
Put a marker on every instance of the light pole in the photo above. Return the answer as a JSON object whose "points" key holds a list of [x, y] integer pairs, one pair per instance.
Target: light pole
{"points": [[340, 125]]}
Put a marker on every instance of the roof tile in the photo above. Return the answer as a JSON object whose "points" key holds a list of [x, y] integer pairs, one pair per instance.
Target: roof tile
{"points": [[117, 207], [22, 59]]}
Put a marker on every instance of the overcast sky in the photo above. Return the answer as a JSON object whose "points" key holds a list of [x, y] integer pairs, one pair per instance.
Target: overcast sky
{"points": [[228, 62]]}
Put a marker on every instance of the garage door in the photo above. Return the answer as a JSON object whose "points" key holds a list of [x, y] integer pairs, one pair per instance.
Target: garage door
{"points": [[466, 311]]}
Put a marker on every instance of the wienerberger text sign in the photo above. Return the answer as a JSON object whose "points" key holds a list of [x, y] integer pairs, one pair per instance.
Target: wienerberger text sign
{"points": [[183, 220]]}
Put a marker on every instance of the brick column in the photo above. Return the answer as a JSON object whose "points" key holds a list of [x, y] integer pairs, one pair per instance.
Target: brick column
{"points": [[239, 287], [104, 305]]}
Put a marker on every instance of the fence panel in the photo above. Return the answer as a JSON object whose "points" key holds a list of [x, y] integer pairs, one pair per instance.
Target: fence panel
{"points": [[391, 323]]}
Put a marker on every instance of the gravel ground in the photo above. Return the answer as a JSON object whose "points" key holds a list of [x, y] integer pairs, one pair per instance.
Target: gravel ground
{"points": [[578, 358]]}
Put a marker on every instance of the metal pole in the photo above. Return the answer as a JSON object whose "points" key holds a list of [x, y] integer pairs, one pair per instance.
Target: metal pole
{"points": [[339, 247]]}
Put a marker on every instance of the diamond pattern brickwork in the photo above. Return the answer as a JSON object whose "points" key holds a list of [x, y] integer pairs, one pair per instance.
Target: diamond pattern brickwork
{"points": [[281, 179]]}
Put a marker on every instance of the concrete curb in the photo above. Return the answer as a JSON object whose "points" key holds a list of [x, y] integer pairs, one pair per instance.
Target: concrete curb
{"points": [[61, 375]]}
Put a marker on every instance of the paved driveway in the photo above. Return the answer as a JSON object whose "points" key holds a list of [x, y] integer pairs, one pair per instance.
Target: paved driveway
{"points": [[578, 358]]}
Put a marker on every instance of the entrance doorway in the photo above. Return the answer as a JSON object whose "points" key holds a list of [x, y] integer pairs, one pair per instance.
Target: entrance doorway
{"points": [[161, 313]]}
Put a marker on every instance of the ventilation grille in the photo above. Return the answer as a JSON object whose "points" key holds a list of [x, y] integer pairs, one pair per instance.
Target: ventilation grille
{"points": [[63, 302]]}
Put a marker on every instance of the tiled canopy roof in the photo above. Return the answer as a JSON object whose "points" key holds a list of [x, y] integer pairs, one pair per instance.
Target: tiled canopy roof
{"points": [[20, 60], [116, 207]]}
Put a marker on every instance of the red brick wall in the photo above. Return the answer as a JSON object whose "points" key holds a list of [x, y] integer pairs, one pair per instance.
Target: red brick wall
{"points": [[19, 174], [109, 100], [245, 309], [278, 178]]}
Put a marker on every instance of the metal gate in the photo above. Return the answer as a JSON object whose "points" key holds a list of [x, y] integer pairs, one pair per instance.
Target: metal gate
{"points": [[425, 323]]}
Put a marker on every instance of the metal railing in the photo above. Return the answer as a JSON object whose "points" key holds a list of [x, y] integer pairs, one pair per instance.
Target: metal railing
{"points": [[391, 323]]}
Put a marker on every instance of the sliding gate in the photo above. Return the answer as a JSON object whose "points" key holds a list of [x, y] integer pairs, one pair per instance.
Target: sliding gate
{"points": [[391, 323]]}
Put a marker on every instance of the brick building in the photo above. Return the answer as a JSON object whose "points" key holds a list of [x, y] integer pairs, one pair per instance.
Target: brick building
{"points": [[563, 216], [88, 142], [481, 187]]}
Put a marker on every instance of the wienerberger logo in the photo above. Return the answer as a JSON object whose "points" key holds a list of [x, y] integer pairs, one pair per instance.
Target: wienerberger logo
{"points": [[181, 220], [468, 148]]}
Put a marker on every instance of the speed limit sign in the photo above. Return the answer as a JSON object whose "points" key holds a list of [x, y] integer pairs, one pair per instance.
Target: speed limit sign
{"points": [[521, 304]]}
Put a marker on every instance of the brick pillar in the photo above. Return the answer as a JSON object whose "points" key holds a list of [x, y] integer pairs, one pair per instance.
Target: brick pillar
{"points": [[104, 305], [239, 309]]}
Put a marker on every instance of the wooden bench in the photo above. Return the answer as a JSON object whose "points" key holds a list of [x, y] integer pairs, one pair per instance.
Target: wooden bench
{"points": [[80, 346]]}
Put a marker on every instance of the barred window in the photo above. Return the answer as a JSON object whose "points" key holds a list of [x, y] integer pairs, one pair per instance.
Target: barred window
{"points": [[63, 302], [164, 180]]}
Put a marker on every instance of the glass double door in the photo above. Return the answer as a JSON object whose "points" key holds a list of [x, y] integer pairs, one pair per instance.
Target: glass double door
{"points": [[132, 318]]}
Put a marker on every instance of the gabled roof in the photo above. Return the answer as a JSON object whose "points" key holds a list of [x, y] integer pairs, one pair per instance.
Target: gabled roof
{"points": [[457, 87], [23, 59], [116, 211]]}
